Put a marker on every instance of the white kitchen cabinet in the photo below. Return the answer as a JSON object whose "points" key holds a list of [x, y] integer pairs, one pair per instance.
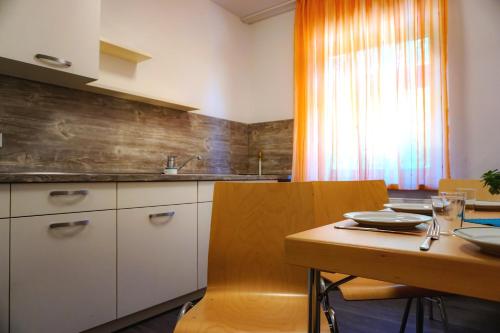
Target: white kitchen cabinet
{"points": [[4, 200], [61, 198], [144, 194], [63, 278], [4, 275], [32, 31], [156, 255], [204, 220], [205, 191], [206, 188]]}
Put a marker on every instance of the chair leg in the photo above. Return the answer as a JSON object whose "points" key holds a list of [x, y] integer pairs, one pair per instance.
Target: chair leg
{"points": [[405, 315], [328, 310], [332, 320], [185, 308], [325, 303], [442, 311], [431, 309], [420, 315]]}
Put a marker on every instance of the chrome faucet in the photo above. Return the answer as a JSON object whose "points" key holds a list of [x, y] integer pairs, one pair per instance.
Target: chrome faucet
{"points": [[171, 162], [171, 169], [198, 157], [260, 163]]}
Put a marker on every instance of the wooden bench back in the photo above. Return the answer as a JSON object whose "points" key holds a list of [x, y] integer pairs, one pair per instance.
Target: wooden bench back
{"points": [[334, 199], [451, 185], [249, 225], [250, 222]]}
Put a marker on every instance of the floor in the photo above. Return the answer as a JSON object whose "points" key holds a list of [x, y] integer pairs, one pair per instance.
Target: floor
{"points": [[465, 315]]}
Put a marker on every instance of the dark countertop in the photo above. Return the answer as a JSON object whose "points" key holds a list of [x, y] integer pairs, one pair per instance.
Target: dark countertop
{"points": [[57, 177]]}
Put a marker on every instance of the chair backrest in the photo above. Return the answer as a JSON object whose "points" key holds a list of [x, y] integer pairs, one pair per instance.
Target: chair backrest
{"points": [[451, 185], [249, 225], [250, 222], [334, 199]]}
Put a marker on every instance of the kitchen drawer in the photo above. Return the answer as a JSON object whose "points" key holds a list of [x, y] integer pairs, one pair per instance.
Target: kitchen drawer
{"points": [[205, 191], [156, 255], [206, 188], [204, 223], [4, 275], [63, 278], [41, 199], [144, 194], [4, 200]]}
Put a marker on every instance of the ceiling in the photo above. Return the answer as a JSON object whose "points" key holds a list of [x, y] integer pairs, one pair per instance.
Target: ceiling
{"points": [[251, 11]]}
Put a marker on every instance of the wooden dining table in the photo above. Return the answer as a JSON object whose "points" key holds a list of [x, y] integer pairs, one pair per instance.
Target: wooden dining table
{"points": [[452, 265]]}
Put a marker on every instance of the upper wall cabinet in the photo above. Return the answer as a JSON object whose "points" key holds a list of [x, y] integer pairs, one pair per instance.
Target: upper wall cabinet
{"points": [[54, 41]]}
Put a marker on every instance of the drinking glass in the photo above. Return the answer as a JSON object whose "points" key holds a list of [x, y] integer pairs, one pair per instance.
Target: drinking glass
{"points": [[470, 200], [448, 210]]}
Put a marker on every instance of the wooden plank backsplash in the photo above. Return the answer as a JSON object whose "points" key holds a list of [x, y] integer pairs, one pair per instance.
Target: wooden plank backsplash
{"points": [[275, 140], [51, 128]]}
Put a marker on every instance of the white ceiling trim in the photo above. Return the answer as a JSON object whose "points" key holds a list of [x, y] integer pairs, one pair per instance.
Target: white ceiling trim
{"points": [[269, 12], [251, 11]]}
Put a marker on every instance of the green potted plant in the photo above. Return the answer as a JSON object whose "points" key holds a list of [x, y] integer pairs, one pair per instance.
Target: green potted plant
{"points": [[492, 180]]}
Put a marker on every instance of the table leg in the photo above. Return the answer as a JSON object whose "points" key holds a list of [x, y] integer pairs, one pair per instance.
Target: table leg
{"points": [[420, 315], [314, 292]]}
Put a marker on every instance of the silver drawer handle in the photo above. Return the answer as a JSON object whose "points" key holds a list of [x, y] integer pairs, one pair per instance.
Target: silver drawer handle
{"points": [[53, 60], [169, 214], [69, 224], [64, 193]]}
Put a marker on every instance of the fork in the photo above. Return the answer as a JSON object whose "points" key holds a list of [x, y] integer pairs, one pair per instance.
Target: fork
{"points": [[436, 235], [432, 234]]}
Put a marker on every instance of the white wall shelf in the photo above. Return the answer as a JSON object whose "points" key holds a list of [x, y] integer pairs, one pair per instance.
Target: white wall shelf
{"points": [[123, 52], [103, 89]]}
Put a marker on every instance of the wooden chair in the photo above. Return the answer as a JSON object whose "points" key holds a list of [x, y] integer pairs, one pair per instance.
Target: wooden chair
{"points": [[451, 185], [332, 200], [250, 287]]}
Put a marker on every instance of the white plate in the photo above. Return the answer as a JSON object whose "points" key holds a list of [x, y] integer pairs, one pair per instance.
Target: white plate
{"points": [[417, 208], [487, 238], [388, 219], [488, 205]]}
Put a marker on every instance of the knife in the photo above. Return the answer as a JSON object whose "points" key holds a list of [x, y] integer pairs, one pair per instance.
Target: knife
{"points": [[378, 230]]}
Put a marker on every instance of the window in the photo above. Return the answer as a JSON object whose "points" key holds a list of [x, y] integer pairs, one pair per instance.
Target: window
{"points": [[375, 95]]}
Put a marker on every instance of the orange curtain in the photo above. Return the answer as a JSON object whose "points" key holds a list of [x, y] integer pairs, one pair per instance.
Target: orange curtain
{"points": [[370, 91]]}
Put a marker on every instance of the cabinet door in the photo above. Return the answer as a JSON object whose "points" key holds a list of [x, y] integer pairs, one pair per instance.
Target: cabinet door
{"points": [[63, 278], [65, 29], [4, 200], [205, 191], [156, 255], [204, 220], [4, 275]]}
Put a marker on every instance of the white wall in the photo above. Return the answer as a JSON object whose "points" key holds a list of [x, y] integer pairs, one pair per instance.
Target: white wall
{"points": [[201, 54], [272, 68], [474, 86]]}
